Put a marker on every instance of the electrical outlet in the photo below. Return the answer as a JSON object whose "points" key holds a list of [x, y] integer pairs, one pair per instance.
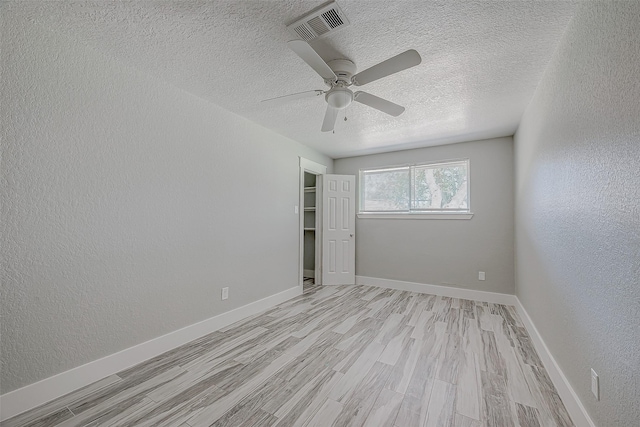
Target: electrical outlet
{"points": [[595, 384], [295, 209], [481, 275], [225, 293]]}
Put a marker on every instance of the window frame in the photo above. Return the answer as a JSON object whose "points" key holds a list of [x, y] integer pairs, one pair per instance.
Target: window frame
{"points": [[415, 213]]}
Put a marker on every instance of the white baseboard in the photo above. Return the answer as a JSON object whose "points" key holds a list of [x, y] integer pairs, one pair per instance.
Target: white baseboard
{"points": [[569, 397], [445, 291], [309, 273], [36, 394]]}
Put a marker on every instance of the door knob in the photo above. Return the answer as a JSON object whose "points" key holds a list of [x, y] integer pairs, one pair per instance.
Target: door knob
{"points": [[351, 235]]}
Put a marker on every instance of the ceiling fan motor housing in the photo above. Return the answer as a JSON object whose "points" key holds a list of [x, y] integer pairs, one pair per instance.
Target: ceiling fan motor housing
{"points": [[344, 70]]}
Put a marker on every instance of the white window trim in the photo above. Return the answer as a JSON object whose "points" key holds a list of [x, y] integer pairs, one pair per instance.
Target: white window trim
{"points": [[433, 215], [416, 214]]}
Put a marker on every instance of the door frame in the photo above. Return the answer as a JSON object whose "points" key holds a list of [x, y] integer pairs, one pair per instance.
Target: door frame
{"points": [[317, 169]]}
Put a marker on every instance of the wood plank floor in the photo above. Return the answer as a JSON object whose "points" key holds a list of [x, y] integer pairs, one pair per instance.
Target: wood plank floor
{"points": [[335, 356], [308, 284]]}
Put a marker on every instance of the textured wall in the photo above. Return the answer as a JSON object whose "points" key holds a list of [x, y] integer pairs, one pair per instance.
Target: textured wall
{"points": [[445, 252], [126, 205], [578, 208]]}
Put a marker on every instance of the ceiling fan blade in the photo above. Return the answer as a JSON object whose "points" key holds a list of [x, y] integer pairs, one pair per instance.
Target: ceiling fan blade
{"points": [[330, 118], [400, 62], [378, 103], [311, 57], [286, 98]]}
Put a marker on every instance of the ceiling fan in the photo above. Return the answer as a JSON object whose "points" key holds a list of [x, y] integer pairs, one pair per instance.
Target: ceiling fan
{"points": [[339, 75]]}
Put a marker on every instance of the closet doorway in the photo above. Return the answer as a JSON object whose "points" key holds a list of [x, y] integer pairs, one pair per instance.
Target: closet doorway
{"points": [[310, 265]]}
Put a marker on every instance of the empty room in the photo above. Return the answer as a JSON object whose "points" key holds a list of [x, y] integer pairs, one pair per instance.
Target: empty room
{"points": [[320, 213]]}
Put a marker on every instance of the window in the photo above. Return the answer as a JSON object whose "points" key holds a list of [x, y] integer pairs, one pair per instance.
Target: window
{"points": [[438, 188]]}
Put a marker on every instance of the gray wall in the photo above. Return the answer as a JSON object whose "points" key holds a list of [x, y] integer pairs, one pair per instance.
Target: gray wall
{"points": [[445, 252], [309, 250], [578, 208], [126, 205]]}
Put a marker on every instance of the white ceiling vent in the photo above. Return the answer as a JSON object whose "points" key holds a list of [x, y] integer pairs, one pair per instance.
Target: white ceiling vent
{"points": [[319, 22]]}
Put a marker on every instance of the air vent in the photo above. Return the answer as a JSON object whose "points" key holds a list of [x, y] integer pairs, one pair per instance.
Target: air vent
{"points": [[319, 22], [304, 32], [318, 26], [332, 18]]}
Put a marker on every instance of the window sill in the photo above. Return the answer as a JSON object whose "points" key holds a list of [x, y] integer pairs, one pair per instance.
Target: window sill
{"points": [[448, 215]]}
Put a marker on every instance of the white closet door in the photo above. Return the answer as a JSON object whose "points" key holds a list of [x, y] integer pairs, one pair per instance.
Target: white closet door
{"points": [[338, 229]]}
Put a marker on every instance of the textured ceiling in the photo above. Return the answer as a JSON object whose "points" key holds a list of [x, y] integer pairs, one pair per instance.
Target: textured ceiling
{"points": [[481, 61]]}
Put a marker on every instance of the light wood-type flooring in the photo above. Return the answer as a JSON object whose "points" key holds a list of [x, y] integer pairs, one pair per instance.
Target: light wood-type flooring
{"points": [[308, 283], [335, 356]]}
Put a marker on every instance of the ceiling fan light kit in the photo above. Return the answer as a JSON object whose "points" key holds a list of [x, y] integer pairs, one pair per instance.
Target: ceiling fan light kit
{"points": [[339, 97], [340, 74]]}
